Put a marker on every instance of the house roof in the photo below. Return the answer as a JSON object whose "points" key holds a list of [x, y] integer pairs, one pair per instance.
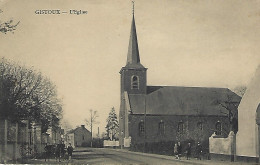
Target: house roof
{"points": [[174, 100], [76, 129]]}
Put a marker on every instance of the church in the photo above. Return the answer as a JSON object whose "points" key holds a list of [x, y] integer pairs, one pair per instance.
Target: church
{"points": [[167, 114]]}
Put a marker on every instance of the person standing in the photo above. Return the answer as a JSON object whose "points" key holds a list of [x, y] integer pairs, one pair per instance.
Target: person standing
{"points": [[188, 151], [62, 149], [57, 152], [175, 151], [179, 150], [70, 150], [47, 150], [199, 151]]}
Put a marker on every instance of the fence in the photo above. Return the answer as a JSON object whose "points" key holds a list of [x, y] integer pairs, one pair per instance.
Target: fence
{"points": [[108, 143], [18, 141]]}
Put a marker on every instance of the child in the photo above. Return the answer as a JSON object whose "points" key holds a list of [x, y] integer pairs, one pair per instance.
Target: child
{"points": [[70, 150], [175, 151]]}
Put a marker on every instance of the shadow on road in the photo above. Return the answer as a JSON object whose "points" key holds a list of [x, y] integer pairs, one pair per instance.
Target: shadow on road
{"points": [[86, 150]]}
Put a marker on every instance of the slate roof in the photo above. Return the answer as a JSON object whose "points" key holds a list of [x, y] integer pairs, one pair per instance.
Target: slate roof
{"points": [[133, 58], [174, 100]]}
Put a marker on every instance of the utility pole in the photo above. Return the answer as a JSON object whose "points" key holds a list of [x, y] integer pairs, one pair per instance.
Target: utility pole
{"points": [[144, 123], [91, 124], [98, 132]]}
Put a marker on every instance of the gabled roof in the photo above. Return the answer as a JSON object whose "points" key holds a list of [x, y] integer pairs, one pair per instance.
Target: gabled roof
{"points": [[76, 129], [174, 100]]}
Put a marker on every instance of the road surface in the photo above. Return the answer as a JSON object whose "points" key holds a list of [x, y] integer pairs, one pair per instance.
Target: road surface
{"points": [[110, 156], [117, 156]]}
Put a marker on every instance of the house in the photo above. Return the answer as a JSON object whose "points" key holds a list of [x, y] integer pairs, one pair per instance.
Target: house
{"points": [[167, 114], [248, 136], [78, 137]]}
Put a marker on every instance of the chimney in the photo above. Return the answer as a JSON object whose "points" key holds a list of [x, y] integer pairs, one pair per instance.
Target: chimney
{"points": [[83, 126]]}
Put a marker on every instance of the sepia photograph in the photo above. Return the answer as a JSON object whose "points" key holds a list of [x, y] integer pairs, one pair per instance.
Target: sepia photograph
{"points": [[130, 82]]}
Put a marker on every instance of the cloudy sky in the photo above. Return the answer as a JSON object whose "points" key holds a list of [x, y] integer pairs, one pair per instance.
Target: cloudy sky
{"points": [[212, 43]]}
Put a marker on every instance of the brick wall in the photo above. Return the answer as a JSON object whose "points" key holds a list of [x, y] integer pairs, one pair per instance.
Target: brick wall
{"points": [[126, 76], [191, 131]]}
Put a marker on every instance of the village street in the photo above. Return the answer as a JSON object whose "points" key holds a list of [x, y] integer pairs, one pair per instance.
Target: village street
{"points": [[118, 156]]}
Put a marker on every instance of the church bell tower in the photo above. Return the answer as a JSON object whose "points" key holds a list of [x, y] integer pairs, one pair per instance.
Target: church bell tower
{"points": [[133, 82], [133, 75]]}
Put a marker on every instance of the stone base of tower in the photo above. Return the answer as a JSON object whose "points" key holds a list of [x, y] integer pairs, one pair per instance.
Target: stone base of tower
{"points": [[125, 142]]}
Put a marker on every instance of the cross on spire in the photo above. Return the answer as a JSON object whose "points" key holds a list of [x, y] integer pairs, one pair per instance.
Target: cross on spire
{"points": [[133, 59], [133, 7]]}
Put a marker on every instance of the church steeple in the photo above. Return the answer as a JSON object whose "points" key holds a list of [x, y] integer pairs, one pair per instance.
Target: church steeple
{"points": [[133, 75], [133, 58], [133, 81]]}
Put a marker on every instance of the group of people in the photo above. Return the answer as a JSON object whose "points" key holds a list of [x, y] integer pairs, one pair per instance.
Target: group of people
{"points": [[178, 150], [58, 151]]}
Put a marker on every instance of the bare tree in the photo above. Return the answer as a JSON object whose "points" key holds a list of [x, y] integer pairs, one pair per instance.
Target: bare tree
{"points": [[66, 125], [8, 26], [230, 109], [240, 90], [92, 121]]}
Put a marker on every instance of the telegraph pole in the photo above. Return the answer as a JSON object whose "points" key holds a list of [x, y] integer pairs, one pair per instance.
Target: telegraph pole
{"points": [[144, 123]]}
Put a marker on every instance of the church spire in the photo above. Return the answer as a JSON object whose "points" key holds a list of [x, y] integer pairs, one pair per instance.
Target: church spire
{"points": [[133, 59]]}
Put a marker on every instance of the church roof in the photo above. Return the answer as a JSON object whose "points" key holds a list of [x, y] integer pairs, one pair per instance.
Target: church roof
{"points": [[174, 100], [133, 58]]}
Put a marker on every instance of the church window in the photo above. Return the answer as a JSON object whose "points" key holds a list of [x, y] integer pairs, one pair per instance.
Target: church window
{"points": [[161, 128], [135, 82], [218, 128], [200, 125], [82, 137], [180, 127], [141, 128]]}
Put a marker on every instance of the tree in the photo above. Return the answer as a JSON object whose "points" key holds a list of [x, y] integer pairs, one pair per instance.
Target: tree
{"points": [[112, 126], [26, 94], [230, 106], [66, 125], [8, 26], [91, 121], [240, 90]]}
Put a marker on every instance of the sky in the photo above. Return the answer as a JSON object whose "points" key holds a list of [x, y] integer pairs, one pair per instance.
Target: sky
{"points": [[207, 43]]}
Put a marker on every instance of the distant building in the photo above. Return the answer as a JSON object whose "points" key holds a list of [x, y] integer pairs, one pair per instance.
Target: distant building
{"points": [[150, 114], [78, 137]]}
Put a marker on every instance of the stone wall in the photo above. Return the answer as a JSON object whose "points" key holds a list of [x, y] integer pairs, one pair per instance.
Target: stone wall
{"points": [[223, 148], [221, 145]]}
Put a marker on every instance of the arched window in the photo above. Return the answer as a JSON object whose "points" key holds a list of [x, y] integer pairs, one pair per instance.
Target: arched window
{"points": [[218, 128], [161, 128], [141, 128], [200, 126], [180, 127], [135, 82]]}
